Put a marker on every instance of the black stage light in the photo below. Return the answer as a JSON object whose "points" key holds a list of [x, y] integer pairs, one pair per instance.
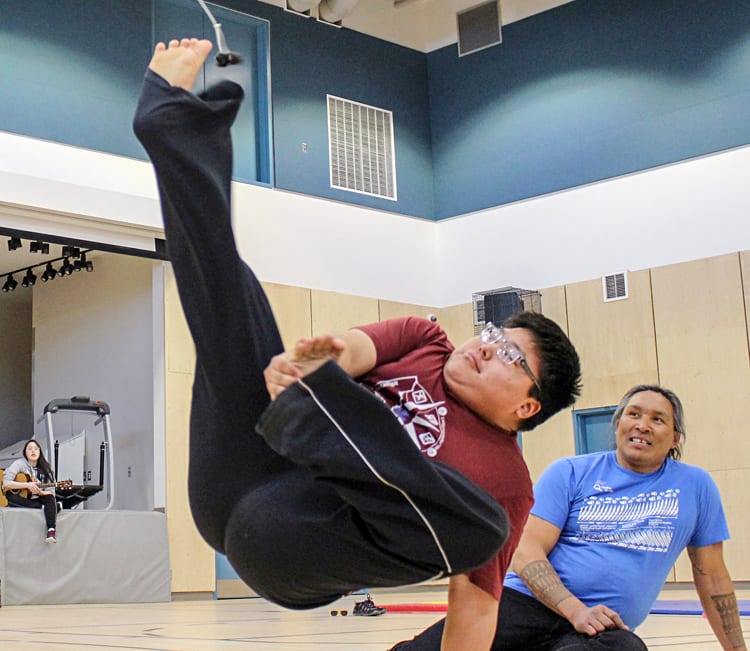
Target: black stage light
{"points": [[14, 243], [83, 263], [71, 251], [66, 269], [10, 284], [49, 273], [39, 247], [29, 280]]}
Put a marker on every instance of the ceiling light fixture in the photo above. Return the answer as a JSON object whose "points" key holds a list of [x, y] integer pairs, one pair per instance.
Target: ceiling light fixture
{"points": [[39, 247], [29, 280], [66, 269], [82, 263], [49, 273], [10, 284], [14, 243]]}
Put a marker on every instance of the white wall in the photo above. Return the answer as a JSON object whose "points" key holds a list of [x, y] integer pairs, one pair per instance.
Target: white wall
{"points": [[680, 212], [94, 337], [16, 416]]}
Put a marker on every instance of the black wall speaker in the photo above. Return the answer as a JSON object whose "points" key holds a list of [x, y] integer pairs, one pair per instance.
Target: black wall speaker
{"points": [[479, 27]]}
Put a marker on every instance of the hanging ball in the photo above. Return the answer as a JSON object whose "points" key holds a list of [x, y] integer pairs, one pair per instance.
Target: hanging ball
{"points": [[227, 59]]}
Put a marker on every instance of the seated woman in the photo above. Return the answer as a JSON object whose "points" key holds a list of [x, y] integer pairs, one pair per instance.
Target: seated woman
{"points": [[28, 491]]}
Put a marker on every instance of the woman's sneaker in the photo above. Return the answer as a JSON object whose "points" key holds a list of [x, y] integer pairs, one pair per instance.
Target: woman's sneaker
{"points": [[367, 608], [51, 536]]}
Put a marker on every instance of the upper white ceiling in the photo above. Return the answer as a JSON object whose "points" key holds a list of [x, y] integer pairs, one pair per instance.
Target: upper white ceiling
{"points": [[427, 25]]}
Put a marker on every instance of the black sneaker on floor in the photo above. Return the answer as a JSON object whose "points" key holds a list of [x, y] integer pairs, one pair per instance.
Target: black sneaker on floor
{"points": [[367, 608]]}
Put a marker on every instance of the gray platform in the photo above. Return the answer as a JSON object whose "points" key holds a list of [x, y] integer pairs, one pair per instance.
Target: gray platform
{"points": [[100, 557]]}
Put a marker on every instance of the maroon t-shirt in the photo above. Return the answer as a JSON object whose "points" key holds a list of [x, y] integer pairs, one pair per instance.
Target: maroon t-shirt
{"points": [[408, 376]]}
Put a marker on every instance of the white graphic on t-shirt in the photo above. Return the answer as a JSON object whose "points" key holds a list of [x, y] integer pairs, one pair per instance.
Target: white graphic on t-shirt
{"points": [[602, 487], [422, 417], [645, 522]]}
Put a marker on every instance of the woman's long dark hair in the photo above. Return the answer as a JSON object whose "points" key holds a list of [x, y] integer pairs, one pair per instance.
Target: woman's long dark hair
{"points": [[44, 468]]}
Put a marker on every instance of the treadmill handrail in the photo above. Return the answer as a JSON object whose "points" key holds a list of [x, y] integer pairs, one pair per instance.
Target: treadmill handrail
{"points": [[77, 403]]}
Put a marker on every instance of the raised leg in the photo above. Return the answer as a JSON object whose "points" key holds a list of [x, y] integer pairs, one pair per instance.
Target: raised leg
{"points": [[188, 139]]}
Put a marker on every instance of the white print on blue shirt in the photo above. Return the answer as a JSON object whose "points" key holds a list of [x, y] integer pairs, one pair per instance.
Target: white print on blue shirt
{"points": [[645, 522]]}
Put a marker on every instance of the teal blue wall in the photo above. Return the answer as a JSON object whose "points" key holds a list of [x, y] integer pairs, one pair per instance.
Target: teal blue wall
{"points": [[587, 91], [309, 60], [65, 73], [71, 71]]}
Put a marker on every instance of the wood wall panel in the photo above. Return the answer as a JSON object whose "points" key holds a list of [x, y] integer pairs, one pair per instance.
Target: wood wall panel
{"points": [[701, 310], [703, 356], [615, 339], [191, 559], [745, 266], [333, 312], [291, 307], [396, 310], [554, 438], [180, 350], [457, 321]]}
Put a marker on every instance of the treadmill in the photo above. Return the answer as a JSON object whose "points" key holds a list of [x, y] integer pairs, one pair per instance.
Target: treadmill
{"points": [[79, 493]]}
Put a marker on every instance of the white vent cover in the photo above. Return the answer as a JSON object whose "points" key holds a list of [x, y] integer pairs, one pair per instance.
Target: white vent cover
{"points": [[360, 140], [615, 286]]}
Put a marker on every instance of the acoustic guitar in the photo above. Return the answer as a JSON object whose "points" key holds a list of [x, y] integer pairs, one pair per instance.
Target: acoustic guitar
{"points": [[25, 492]]}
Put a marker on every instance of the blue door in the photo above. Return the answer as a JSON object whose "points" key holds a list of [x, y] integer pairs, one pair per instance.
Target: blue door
{"points": [[593, 429]]}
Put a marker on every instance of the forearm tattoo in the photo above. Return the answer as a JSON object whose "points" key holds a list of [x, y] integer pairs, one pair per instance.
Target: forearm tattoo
{"points": [[545, 583], [726, 606], [697, 568]]}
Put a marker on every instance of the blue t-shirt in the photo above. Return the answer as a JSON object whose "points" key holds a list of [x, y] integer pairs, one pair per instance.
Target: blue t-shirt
{"points": [[622, 531]]}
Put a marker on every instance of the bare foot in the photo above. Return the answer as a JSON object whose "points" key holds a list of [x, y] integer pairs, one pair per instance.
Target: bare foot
{"points": [[180, 63], [310, 354]]}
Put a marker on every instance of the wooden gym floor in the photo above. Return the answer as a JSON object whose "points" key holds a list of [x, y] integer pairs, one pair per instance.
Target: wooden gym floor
{"points": [[256, 625]]}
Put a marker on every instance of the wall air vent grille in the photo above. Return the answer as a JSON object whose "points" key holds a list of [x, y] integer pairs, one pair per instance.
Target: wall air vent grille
{"points": [[479, 27], [361, 146], [615, 286]]}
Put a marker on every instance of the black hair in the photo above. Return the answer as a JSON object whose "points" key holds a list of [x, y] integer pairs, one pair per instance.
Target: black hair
{"points": [[44, 468], [559, 374]]}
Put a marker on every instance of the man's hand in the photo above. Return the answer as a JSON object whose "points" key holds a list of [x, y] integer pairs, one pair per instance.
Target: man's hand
{"points": [[307, 356], [352, 350], [596, 619], [530, 562], [280, 373]]}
